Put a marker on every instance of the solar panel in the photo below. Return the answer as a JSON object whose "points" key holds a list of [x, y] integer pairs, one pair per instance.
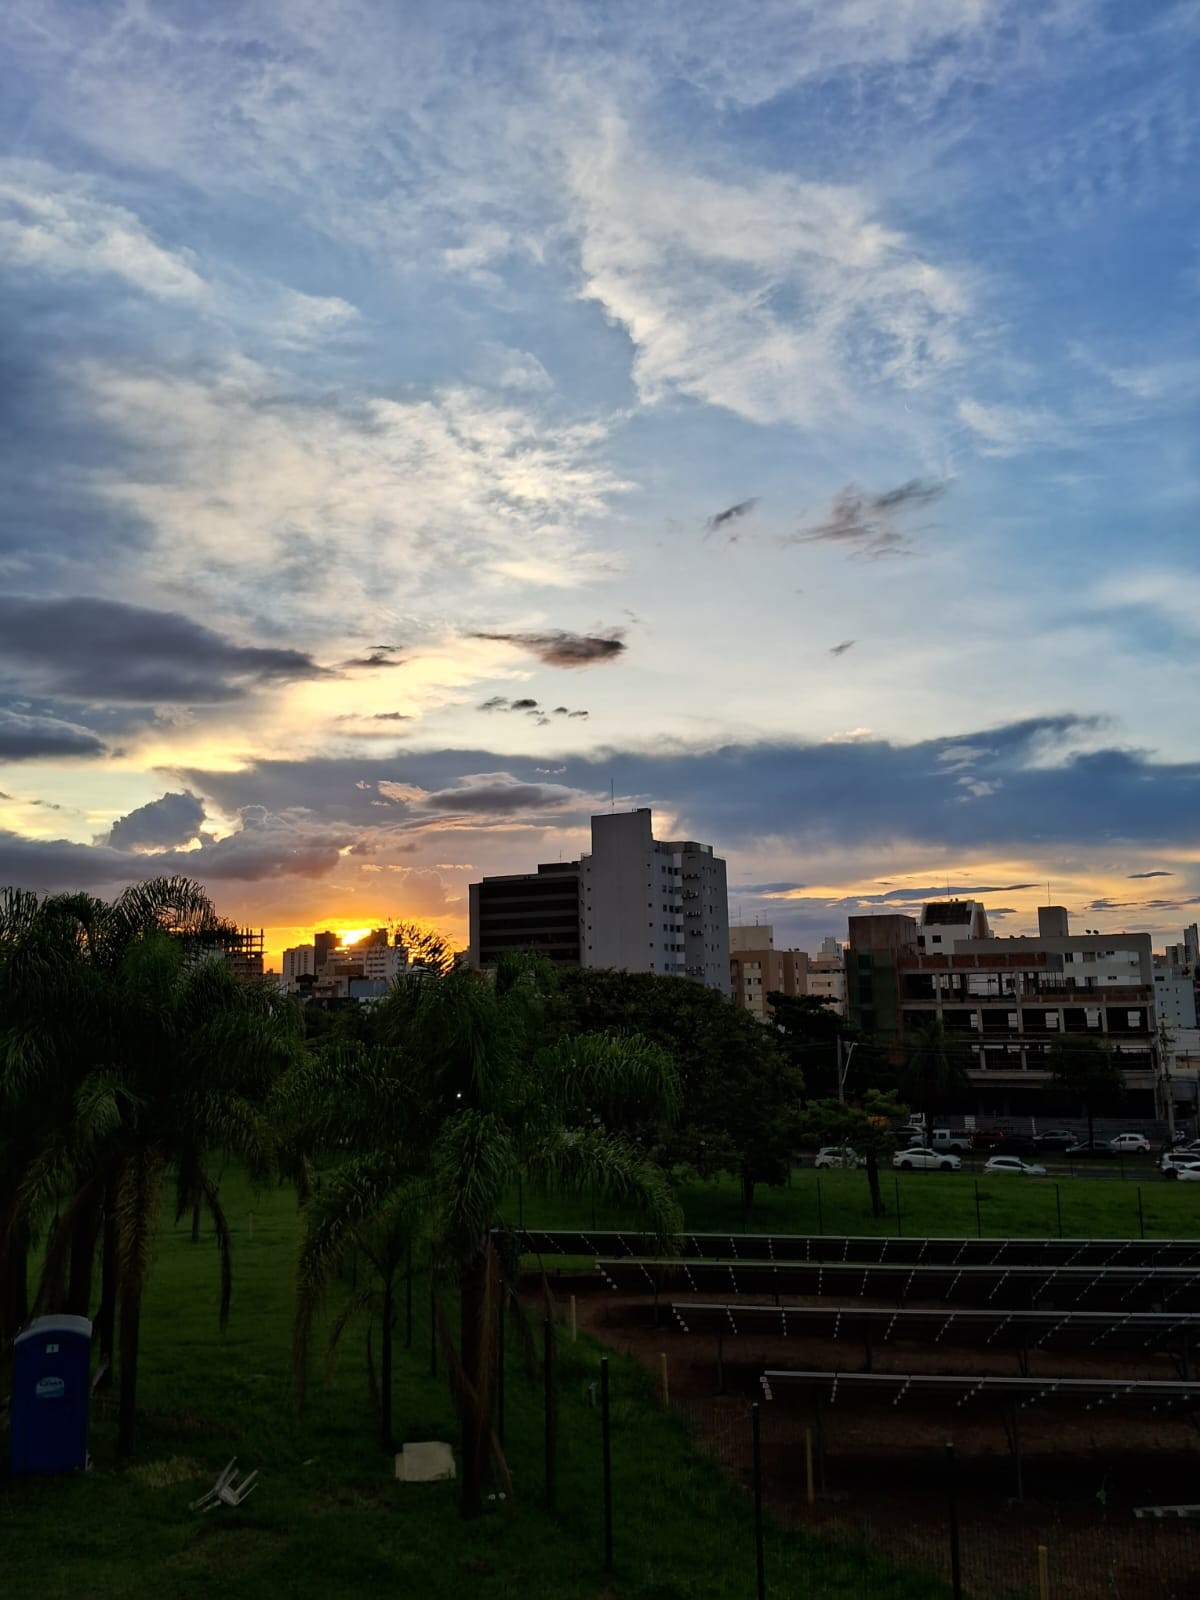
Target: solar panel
{"points": [[1009, 1330], [1021, 1287], [869, 1247], [1092, 1394]]}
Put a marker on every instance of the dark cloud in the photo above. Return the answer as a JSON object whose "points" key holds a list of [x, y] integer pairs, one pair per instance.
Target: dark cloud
{"points": [[24, 737], [764, 888], [376, 659], [391, 716], [562, 649], [265, 846], [840, 649], [175, 819], [531, 708], [1149, 874], [731, 514], [96, 650], [867, 522], [501, 795]]}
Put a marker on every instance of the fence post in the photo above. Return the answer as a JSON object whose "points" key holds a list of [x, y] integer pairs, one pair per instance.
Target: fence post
{"points": [[664, 1382], [432, 1324], [604, 1432], [1043, 1556], [952, 1510], [574, 1320], [808, 1465], [500, 1373], [978, 1213], [899, 1222], [548, 1406], [759, 1562], [1141, 1213], [408, 1297], [820, 1208], [1058, 1206]]}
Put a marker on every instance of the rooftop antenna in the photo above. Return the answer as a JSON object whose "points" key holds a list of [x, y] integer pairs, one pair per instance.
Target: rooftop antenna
{"points": [[612, 795]]}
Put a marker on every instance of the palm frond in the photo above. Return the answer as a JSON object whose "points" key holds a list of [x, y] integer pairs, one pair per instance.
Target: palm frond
{"points": [[474, 1161], [589, 1161], [603, 1073]]}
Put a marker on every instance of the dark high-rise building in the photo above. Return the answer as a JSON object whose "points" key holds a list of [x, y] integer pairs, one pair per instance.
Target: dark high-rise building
{"points": [[323, 944], [537, 911]]}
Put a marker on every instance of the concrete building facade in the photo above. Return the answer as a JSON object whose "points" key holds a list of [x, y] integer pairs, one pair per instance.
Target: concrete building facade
{"points": [[300, 961], [538, 911], [652, 905], [756, 969], [633, 902]]}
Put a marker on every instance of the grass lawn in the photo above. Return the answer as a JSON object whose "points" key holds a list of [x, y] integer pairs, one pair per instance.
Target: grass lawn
{"points": [[930, 1203], [328, 1519]]}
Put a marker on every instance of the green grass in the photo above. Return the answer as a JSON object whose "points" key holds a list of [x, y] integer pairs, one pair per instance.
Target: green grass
{"points": [[930, 1203], [329, 1520]]}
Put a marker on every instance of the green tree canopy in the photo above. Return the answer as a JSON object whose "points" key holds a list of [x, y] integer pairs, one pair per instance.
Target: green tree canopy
{"points": [[740, 1091]]}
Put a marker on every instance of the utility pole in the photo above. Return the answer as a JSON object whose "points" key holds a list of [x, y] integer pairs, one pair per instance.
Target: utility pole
{"points": [[843, 1070]]}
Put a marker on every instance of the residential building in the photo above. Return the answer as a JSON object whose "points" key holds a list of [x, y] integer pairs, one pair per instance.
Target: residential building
{"points": [[756, 969], [300, 961], [383, 962], [1006, 1001], [826, 975], [537, 911], [877, 944], [633, 902], [654, 905], [324, 944]]}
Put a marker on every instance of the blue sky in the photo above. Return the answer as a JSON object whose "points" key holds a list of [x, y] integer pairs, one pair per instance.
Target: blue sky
{"points": [[805, 392]]}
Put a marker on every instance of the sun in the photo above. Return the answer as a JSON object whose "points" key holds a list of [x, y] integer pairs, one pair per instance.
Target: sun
{"points": [[352, 935]]}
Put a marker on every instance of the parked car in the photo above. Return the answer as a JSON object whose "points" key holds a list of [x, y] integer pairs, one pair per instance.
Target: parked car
{"points": [[1056, 1139], [987, 1138], [1014, 1164], [1126, 1144], [926, 1161], [1181, 1166], [1092, 1150], [1019, 1144], [837, 1155]]}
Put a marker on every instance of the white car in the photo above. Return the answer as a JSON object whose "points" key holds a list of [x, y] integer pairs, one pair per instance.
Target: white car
{"points": [[1187, 1167], [837, 1155], [1014, 1164], [925, 1161], [1129, 1143]]}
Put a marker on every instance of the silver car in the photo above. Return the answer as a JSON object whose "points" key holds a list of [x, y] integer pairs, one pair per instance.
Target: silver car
{"points": [[1014, 1164], [917, 1160], [837, 1155]]}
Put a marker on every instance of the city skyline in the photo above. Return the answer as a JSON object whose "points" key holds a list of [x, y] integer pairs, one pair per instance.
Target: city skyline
{"points": [[421, 430]]}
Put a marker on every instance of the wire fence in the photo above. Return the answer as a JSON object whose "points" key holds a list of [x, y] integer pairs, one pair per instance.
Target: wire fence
{"points": [[988, 1547]]}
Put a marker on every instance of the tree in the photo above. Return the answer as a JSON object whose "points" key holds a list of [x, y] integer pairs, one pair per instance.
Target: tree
{"points": [[130, 1051], [933, 1077], [865, 1127], [1087, 1070], [459, 1102], [740, 1093]]}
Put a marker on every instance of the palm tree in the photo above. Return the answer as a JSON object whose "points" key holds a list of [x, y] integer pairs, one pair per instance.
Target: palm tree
{"points": [[129, 1052], [933, 1076], [463, 1103]]}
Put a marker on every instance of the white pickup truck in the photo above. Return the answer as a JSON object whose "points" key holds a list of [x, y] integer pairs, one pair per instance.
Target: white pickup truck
{"points": [[946, 1141]]}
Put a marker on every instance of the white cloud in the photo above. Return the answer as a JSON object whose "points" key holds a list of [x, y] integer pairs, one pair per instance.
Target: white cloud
{"points": [[55, 228], [1006, 430], [775, 298], [346, 504]]}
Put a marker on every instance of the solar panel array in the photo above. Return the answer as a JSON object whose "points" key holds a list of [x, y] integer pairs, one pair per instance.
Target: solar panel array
{"points": [[1093, 1394], [1007, 1330], [1021, 1287], [869, 1247]]}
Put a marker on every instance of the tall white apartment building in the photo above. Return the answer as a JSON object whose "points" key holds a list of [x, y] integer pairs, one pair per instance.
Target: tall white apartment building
{"points": [[650, 905], [297, 962], [383, 962]]}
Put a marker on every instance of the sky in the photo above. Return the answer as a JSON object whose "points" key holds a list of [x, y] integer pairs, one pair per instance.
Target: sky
{"points": [[424, 426]]}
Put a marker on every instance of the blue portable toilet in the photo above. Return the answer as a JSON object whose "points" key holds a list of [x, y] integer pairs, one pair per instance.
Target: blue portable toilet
{"points": [[51, 1365]]}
